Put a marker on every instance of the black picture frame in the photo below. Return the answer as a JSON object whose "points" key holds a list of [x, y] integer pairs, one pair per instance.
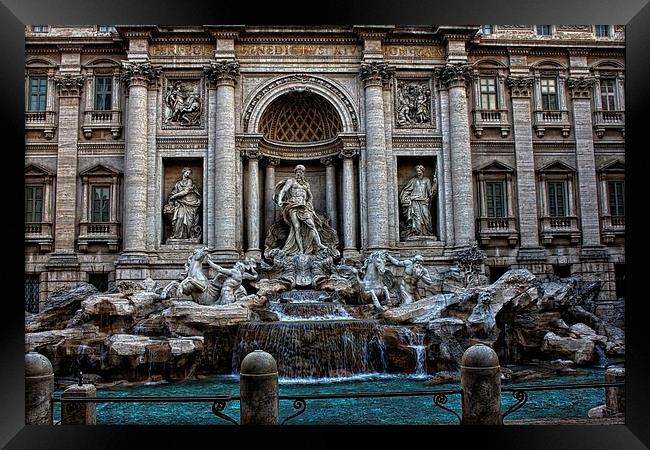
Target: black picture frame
{"points": [[15, 14]]}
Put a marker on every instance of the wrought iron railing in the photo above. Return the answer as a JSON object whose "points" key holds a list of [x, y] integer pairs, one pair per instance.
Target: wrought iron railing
{"points": [[299, 402]]}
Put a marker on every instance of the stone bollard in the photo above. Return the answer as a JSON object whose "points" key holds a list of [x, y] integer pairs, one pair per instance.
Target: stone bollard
{"points": [[77, 413], [480, 381], [39, 387], [615, 396], [258, 389]]}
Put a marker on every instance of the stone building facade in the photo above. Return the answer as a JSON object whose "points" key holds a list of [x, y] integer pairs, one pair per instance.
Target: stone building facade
{"points": [[522, 128]]}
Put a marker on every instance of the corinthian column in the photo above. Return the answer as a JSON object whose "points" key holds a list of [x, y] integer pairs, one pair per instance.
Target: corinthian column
{"points": [[224, 75], [137, 75], [581, 91], [330, 189], [374, 75], [253, 204], [520, 93], [269, 191], [349, 202], [455, 78]]}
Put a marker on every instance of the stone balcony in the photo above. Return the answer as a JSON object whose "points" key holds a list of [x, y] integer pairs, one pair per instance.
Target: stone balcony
{"points": [[107, 233], [492, 228], [604, 120], [552, 228], [102, 120], [39, 233], [491, 118], [543, 120], [611, 227], [44, 121]]}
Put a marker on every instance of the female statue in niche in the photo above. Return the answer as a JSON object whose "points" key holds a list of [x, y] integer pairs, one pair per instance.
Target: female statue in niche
{"points": [[183, 207], [415, 200]]}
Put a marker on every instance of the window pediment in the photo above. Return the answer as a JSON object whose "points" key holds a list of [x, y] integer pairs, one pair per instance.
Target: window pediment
{"points": [[496, 167], [556, 167], [612, 166], [34, 170], [100, 170]]}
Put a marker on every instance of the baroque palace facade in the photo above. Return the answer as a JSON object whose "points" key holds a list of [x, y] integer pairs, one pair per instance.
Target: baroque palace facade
{"points": [[519, 129]]}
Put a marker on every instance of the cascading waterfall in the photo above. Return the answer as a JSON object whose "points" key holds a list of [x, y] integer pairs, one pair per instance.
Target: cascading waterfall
{"points": [[602, 356], [310, 311], [315, 349], [415, 340]]}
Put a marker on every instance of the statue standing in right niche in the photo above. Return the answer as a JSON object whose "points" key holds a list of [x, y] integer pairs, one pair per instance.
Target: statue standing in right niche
{"points": [[415, 200]]}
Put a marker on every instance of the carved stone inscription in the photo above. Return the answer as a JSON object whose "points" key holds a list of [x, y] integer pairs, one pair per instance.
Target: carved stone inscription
{"points": [[413, 103], [296, 50]]}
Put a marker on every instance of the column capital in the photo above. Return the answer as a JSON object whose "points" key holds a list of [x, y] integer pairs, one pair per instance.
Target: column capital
{"points": [[69, 85], [581, 87], [140, 73], [270, 161], [348, 152], [375, 73], [224, 72], [327, 161], [251, 153], [520, 87], [453, 75]]}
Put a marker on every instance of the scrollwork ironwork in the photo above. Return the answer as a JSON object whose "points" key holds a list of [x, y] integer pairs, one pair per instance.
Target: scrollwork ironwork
{"points": [[521, 397], [218, 406], [440, 400], [300, 405]]}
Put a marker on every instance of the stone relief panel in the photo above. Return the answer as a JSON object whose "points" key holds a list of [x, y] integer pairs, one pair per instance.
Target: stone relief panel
{"points": [[182, 200], [183, 104], [413, 107]]}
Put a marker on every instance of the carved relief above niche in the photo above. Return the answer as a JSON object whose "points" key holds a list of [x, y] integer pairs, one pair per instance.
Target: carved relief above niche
{"points": [[183, 103], [413, 107]]}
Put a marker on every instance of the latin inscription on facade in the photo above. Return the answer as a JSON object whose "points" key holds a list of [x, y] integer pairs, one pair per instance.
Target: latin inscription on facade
{"points": [[181, 50], [414, 51], [296, 50]]}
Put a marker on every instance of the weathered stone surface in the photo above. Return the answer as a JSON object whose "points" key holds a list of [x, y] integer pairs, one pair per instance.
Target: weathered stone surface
{"points": [[578, 350], [421, 311], [59, 308], [187, 318]]}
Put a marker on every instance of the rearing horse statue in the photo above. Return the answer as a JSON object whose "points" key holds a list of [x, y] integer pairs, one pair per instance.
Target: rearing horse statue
{"points": [[373, 283], [196, 284]]}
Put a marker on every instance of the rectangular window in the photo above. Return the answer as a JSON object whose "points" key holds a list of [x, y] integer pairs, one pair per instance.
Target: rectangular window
{"points": [[39, 28], [544, 30], [556, 199], [562, 270], [495, 196], [486, 29], [31, 292], [100, 206], [33, 204], [37, 93], [602, 30], [106, 28], [488, 93], [616, 198], [549, 94], [608, 94], [103, 93], [497, 272]]}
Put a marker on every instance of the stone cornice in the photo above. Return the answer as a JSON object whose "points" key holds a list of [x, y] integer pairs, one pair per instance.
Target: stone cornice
{"points": [[140, 72], [222, 72], [375, 73], [581, 87], [520, 87], [453, 74], [70, 48], [578, 51], [69, 85]]}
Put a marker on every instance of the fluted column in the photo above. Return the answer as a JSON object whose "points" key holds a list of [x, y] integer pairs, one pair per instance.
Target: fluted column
{"points": [[350, 208], [224, 75], [374, 75], [66, 181], [455, 78], [330, 189], [581, 90], [521, 89], [137, 75], [269, 192], [253, 204]]}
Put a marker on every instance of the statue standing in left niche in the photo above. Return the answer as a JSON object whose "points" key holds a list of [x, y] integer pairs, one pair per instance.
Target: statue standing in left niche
{"points": [[183, 207]]}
